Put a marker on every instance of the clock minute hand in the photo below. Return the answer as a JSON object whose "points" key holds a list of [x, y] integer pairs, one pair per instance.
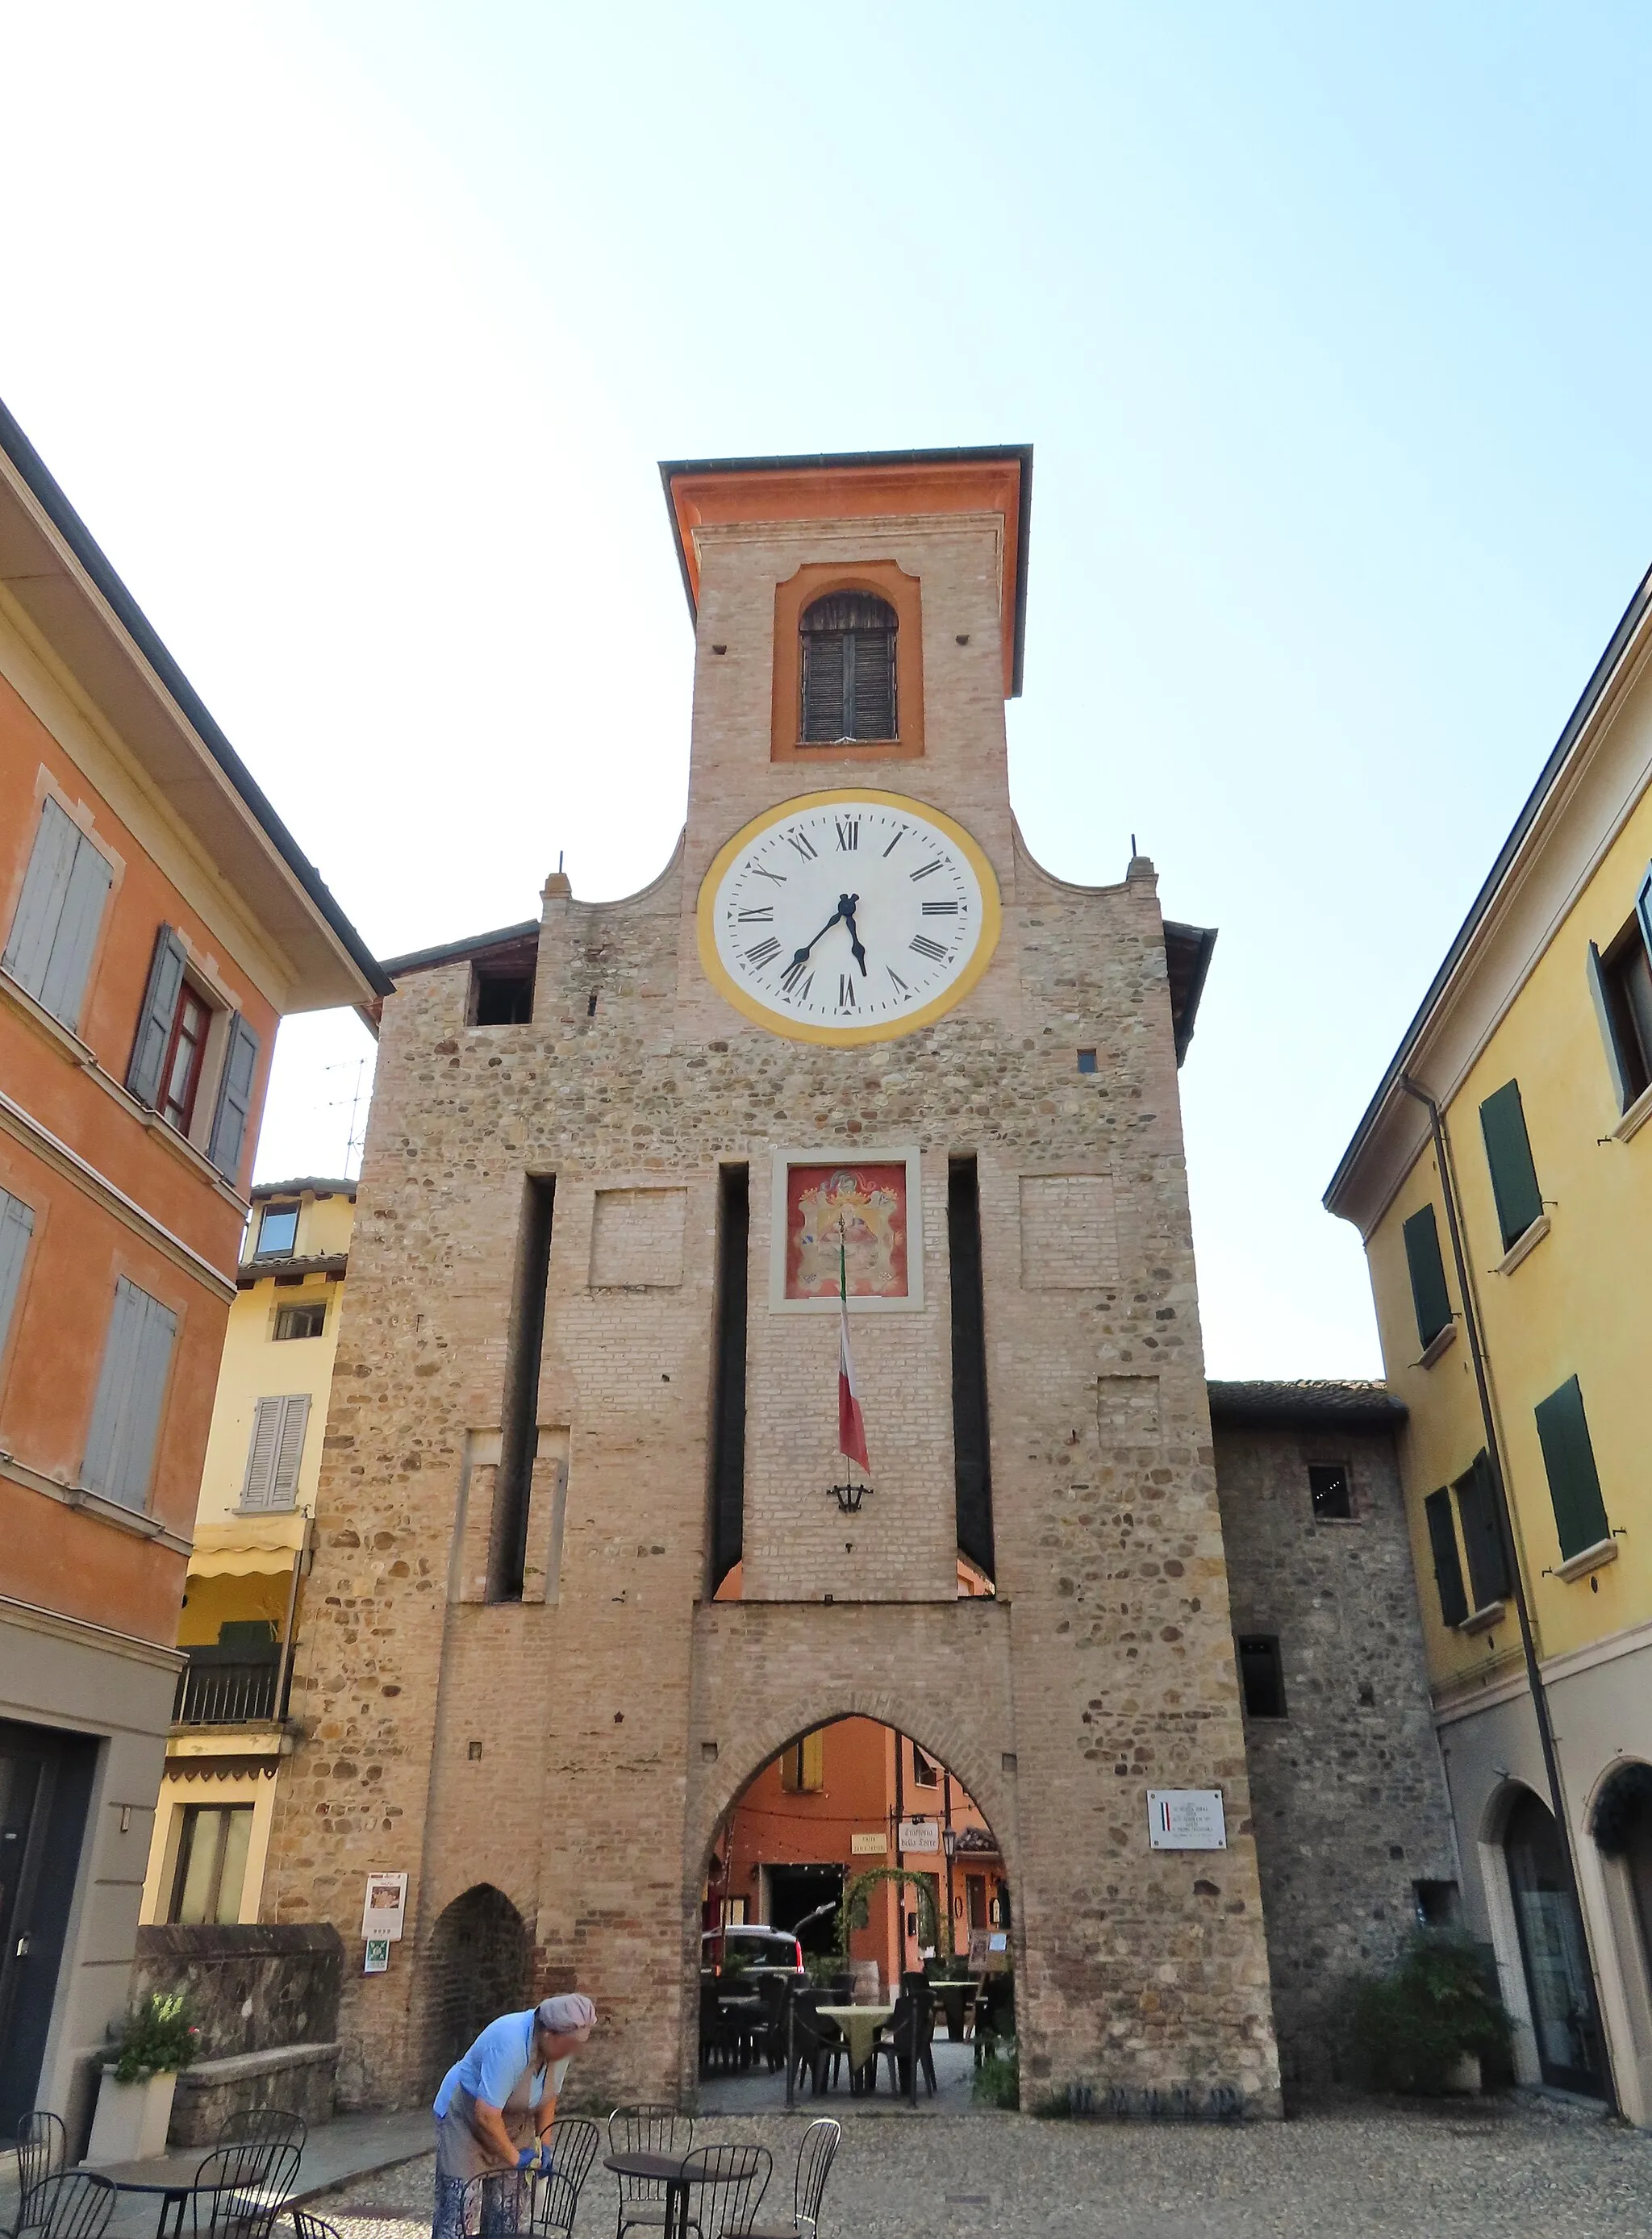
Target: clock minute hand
{"points": [[802, 954]]}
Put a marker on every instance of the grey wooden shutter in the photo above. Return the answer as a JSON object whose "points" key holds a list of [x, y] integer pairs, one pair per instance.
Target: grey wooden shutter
{"points": [[155, 1020], [1514, 1178], [1608, 1031], [1448, 1567], [126, 1414], [275, 1451], [874, 658], [1429, 1293], [235, 1099], [16, 1227], [54, 930], [1481, 1533], [1568, 1459], [822, 687]]}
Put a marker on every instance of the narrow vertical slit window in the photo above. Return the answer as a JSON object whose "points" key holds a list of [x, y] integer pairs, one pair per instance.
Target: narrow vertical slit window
{"points": [[729, 1399], [971, 1450], [1261, 1675], [519, 1417]]}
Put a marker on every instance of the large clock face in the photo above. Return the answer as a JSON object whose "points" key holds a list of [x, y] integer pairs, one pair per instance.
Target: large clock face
{"points": [[848, 916]]}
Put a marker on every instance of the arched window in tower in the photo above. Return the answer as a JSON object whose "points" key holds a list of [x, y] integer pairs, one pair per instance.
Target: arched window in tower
{"points": [[848, 668]]}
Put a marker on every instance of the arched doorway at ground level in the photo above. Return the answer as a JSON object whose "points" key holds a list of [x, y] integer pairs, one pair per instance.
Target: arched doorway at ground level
{"points": [[1553, 1954]]}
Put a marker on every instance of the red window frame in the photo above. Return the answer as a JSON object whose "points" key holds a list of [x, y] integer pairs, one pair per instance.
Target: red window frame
{"points": [[191, 1021]]}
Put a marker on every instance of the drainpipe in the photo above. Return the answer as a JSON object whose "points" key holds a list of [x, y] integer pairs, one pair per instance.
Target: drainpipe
{"points": [[1511, 1561], [292, 1615]]}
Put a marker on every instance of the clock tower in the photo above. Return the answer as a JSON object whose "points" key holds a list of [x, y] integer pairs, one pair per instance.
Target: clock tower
{"points": [[586, 1563]]}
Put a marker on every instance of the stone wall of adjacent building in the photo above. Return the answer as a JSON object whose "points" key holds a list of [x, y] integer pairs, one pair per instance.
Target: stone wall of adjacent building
{"points": [[571, 1752], [1347, 1787]]}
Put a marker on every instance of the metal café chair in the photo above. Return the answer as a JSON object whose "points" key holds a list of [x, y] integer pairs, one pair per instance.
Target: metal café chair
{"points": [[573, 2142], [43, 2150], [726, 2185], [497, 2204], [264, 2126], [647, 2128], [239, 2191], [70, 2204], [312, 2226], [815, 2159]]}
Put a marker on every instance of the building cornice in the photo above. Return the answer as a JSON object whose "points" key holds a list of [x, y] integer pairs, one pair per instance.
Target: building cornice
{"points": [[24, 1128], [84, 1633], [102, 1509]]}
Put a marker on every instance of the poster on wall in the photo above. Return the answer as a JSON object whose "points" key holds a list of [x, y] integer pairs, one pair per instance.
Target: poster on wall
{"points": [[384, 1907], [378, 1955], [857, 1220]]}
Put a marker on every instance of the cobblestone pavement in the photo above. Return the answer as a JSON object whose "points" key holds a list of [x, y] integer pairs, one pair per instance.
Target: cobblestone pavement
{"points": [[1498, 2171]]}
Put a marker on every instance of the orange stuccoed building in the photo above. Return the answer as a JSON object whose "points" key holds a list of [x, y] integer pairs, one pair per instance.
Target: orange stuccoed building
{"points": [[156, 921]]}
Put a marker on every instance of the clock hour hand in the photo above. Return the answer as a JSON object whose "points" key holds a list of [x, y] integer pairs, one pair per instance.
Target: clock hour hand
{"points": [[847, 906]]}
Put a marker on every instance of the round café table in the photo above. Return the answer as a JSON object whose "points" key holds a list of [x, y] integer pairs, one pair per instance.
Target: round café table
{"points": [[667, 2169], [172, 2191], [859, 2026]]}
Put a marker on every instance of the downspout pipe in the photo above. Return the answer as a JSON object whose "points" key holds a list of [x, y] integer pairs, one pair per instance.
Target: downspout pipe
{"points": [[1511, 1562]]}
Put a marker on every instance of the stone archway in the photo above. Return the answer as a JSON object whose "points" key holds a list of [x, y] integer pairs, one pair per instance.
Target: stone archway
{"points": [[477, 1967]]}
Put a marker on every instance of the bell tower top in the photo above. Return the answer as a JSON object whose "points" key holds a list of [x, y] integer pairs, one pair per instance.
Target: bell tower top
{"points": [[710, 494]]}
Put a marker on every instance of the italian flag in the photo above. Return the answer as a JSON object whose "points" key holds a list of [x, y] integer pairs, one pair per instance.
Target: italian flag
{"points": [[851, 1423]]}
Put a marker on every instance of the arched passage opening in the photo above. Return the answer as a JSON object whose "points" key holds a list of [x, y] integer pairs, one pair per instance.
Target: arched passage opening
{"points": [[853, 1869], [477, 1968]]}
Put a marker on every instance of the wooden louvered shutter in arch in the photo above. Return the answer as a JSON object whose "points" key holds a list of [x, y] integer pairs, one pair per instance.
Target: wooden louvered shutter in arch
{"points": [[848, 668], [1574, 1481], [823, 672], [873, 652], [1448, 1565]]}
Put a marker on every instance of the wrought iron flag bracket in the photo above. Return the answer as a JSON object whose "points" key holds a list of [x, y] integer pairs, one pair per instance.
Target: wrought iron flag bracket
{"points": [[848, 1497]]}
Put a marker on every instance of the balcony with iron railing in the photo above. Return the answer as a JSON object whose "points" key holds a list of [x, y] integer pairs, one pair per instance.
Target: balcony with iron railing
{"points": [[214, 1692]]}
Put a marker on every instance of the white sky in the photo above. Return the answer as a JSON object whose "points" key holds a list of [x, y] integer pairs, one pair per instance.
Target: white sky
{"points": [[355, 334]]}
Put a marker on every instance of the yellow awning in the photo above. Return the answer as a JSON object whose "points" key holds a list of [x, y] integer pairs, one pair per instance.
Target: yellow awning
{"points": [[246, 1549]]}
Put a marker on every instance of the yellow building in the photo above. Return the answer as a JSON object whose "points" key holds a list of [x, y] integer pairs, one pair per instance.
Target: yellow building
{"points": [[1502, 1178], [251, 1542]]}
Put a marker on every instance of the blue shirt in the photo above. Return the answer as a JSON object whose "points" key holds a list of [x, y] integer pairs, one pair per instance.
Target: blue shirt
{"points": [[496, 2064]]}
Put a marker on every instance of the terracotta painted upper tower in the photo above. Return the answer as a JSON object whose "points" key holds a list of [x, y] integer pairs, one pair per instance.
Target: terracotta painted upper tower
{"points": [[581, 1569]]}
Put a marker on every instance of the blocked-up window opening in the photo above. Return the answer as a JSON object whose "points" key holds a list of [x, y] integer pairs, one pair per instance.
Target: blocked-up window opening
{"points": [[971, 1439], [519, 1417], [729, 1397], [1261, 1675]]}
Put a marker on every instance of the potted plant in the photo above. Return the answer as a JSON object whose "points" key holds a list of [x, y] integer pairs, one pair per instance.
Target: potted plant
{"points": [[1427, 2026], [135, 2098]]}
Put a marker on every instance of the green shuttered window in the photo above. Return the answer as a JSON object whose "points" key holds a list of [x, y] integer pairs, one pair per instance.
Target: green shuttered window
{"points": [[1428, 1274], [1481, 1533], [54, 930], [1574, 1482], [1447, 1566], [131, 1386], [1514, 1178]]}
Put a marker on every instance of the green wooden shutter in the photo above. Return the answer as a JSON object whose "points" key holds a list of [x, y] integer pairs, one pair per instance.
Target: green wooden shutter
{"points": [[16, 1227], [1573, 1482], [1448, 1567], [155, 1020], [1429, 1293], [235, 1099], [1482, 1532], [1514, 1178]]}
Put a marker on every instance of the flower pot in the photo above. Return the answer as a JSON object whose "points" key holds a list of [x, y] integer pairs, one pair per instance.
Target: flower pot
{"points": [[131, 2121], [1464, 2075]]}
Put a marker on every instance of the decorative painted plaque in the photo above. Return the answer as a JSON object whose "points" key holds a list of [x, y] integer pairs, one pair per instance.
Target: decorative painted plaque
{"points": [[862, 1207]]}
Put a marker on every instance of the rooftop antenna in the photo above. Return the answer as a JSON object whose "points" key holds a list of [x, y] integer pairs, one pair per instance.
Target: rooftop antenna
{"points": [[1135, 850], [559, 859], [355, 1141]]}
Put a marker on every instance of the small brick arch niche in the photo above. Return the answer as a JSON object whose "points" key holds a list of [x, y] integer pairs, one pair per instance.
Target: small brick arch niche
{"points": [[477, 1966]]}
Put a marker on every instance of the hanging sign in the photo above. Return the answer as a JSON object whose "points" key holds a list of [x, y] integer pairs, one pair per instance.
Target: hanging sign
{"points": [[378, 1955], [384, 1907], [1185, 1819], [919, 1835]]}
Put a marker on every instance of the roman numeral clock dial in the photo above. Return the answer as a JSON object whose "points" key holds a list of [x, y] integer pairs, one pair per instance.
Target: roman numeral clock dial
{"points": [[848, 917]]}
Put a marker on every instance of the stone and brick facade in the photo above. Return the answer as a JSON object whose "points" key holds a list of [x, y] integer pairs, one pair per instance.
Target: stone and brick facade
{"points": [[572, 1735]]}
